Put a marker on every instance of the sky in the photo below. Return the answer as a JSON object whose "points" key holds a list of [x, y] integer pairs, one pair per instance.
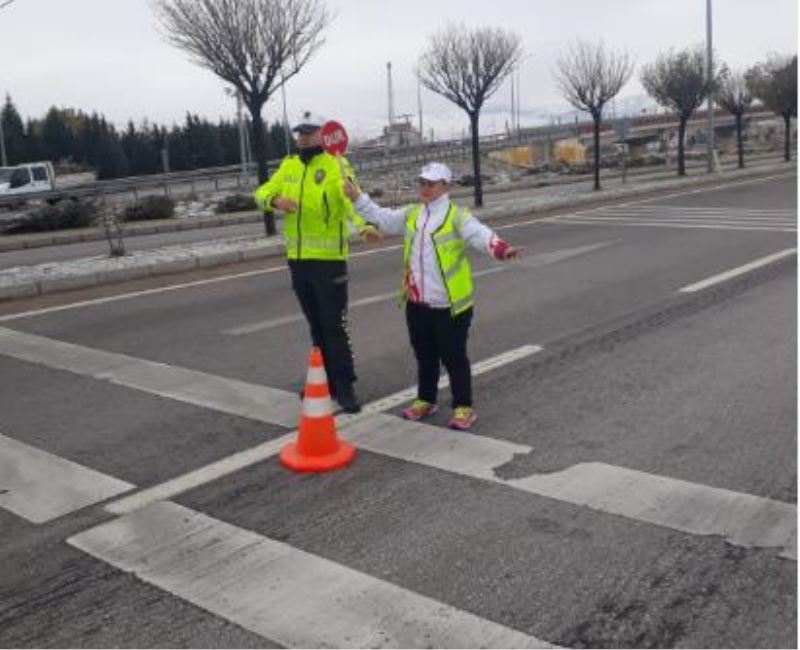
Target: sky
{"points": [[110, 56]]}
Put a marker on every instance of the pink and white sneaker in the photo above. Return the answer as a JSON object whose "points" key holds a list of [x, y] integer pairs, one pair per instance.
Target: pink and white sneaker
{"points": [[463, 418], [419, 409]]}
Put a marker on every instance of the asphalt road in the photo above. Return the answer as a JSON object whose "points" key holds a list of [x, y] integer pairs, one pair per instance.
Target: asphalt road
{"points": [[631, 480]]}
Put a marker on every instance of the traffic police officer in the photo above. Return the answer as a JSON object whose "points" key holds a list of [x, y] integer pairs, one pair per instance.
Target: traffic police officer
{"points": [[319, 219]]}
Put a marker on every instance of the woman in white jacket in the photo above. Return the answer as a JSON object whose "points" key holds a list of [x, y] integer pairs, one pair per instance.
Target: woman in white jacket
{"points": [[437, 285]]}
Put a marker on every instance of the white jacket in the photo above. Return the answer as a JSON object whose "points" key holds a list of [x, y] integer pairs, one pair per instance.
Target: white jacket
{"points": [[425, 271]]}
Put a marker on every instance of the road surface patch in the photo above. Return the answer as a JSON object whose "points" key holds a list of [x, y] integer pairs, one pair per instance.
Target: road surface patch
{"points": [[537, 260]]}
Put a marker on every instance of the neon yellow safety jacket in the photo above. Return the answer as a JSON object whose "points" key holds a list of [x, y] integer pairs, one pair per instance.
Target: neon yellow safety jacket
{"points": [[451, 253], [324, 220]]}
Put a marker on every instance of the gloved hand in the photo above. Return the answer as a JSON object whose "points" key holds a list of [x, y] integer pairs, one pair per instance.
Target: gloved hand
{"points": [[371, 234], [351, 190], [502, 250], [284, 204]]}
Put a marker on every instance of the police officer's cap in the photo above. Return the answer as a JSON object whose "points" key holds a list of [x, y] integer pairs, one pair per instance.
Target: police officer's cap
{"points": [[308, 122]]}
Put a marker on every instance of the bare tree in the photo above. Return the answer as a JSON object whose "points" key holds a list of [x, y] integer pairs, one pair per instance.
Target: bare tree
{"points": [[775, 83], [253, 45], [734, 95], [679, 82], [467, 67], [589, 76]]}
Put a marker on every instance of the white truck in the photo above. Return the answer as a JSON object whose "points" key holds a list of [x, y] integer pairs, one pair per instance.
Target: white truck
{"points": [[27, 178]]}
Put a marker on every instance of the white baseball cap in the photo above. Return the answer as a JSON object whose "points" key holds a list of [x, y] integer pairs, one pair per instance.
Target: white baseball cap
{"points": [[436, 171], [308, 122]]}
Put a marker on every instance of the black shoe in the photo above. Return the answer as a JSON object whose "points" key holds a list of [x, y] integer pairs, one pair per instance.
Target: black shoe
{"points": [[347, 399]]}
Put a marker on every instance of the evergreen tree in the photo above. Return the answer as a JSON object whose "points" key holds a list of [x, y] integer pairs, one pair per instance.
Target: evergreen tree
{"points": [[56, 136], [111, 159], [14, 134]]}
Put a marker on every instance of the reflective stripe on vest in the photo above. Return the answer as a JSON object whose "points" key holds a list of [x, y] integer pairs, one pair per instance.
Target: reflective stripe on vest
{"points": [[451, 253]]}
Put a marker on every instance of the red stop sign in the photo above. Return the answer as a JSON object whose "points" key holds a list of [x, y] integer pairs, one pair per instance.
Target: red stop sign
{"points": [[334, 138]]}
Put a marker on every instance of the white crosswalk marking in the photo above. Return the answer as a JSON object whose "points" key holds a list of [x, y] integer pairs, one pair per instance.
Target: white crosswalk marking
{"points": [[741, 519], [266, 450], [190, 386], [670, 216], [39, 486], [280, 592]]}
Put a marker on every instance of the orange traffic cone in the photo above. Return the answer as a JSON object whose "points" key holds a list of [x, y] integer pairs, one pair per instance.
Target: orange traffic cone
{"points": [[318, 448]]}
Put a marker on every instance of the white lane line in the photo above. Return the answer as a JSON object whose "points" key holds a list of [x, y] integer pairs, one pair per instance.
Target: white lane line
{"points": [[272, 323], [201, 476], [739, 270], [260, 453], [537, 260], [594, 221], [682, 216], [741, 519], [173, 287], [710, 210], [676, 219], [39, 486], [680, 221], [190, 386], [280, 592]]}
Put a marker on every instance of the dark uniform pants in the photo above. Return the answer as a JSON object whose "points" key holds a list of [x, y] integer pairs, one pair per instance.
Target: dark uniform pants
{"points": [[321, 288], [437, 336]]}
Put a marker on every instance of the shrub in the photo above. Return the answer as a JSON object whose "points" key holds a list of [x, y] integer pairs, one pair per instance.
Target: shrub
{"points": [[150, 207], [59, 216], [235, 203]]}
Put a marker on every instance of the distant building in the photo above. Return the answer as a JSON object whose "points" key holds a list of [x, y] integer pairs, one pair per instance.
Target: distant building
{"points": [[399, 134]]}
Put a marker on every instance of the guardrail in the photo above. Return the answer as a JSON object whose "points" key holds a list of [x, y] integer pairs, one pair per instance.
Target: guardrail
{"points": [[363, 160]]}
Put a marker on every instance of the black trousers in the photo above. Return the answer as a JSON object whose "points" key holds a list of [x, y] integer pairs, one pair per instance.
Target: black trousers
{"points": [[437, 336], [321, 288]]}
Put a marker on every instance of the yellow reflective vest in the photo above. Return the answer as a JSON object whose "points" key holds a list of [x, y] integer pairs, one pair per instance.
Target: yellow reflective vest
{"points": [[320, 228], [451, 253]]}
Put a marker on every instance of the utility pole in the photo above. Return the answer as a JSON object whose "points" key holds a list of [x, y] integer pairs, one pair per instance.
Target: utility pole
{"points": [[3, 158], [419, 106], [286, 135], [709, 75], [240, 121], [391, 92], [519, 98], [513, 107], [165, 153]]}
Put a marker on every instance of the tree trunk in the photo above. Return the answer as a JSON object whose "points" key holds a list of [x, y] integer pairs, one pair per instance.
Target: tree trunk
{"points": [[476, 159], [681, 138], [596, 120], [787, 150], [739, 142], [260, 145]]}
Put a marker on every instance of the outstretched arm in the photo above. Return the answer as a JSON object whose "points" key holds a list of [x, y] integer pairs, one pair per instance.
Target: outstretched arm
{"points": [[484, 239], [387, 220]]}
